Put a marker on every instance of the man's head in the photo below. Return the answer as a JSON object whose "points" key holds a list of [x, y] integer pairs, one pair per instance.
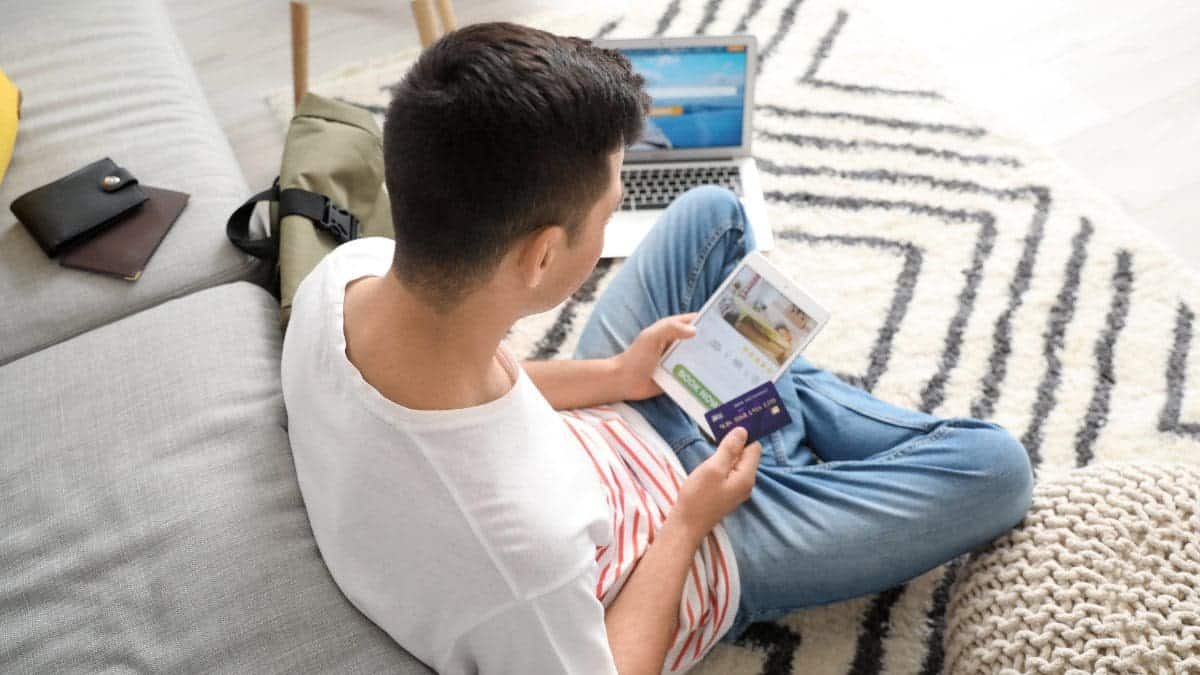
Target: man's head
{"points": [[502, 147]]}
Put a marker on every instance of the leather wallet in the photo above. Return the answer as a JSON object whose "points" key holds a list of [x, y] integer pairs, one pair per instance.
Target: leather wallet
{"points": [[71, 208], [123, 248]]}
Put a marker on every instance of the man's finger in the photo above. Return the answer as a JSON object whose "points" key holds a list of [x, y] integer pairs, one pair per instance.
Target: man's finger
{"points": [[748, 462], [731, 448], [683, 330], [669, 329]]}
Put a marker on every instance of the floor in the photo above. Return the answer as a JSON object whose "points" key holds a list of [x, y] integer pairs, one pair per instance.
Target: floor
{"points": [[1110, 86]]}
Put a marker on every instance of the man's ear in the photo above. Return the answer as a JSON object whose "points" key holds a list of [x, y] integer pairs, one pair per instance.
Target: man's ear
{"points": [[540, 250]]}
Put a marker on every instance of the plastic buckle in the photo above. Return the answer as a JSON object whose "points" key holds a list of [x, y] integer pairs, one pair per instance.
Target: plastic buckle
{"points": [[339, 222]]}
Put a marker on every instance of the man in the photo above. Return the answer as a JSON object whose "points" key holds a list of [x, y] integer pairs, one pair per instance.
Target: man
{"points": [[485, 531]]}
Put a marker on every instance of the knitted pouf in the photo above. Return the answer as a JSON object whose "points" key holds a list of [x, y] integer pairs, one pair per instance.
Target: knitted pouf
{"points": [[1102, 576]]}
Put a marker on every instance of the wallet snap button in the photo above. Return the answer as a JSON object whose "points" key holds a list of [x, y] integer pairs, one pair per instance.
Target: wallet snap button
{"points": [[110, 181]]}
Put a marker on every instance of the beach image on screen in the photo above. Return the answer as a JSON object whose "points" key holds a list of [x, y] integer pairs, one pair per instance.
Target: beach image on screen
{"points": [[740, 342], [697, 96]]}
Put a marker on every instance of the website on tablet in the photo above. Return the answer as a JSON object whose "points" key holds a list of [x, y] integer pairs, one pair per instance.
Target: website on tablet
{"points": [[741, 340]]}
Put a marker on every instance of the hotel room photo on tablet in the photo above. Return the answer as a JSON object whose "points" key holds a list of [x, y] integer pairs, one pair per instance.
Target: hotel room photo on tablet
{"points": [[741, 341]]}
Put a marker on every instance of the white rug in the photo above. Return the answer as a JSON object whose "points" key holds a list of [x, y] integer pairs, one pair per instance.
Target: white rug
{"points": [[970, 274]]}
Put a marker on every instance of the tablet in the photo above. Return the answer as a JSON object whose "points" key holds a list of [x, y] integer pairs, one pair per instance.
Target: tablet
{"points": [[748, 333]]}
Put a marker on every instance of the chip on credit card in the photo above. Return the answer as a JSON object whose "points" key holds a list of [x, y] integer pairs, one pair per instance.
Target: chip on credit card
{"points": [[758, 411]]}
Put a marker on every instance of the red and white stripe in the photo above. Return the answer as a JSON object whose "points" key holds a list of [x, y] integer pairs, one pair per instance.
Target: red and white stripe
{"points": [[641, 477]]}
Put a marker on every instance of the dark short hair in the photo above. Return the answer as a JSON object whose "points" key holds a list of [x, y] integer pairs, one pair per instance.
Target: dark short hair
{"points": [[496, 131]]}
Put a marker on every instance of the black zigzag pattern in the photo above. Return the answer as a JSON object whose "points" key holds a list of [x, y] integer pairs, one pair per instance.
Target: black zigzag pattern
{"points": [[965, 183]]}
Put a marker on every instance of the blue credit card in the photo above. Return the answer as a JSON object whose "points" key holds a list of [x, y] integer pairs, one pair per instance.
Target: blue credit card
{"points": [[758, 411]]}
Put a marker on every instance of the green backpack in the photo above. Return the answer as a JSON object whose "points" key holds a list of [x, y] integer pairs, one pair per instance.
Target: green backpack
{"points": [[329, 191]]}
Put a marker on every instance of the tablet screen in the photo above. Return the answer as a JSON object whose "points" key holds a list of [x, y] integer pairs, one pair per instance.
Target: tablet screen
{"points": [[742, 340]]}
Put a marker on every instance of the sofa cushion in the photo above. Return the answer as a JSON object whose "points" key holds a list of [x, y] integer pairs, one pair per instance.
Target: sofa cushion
{"points": [[109, 78], [151, 516]]}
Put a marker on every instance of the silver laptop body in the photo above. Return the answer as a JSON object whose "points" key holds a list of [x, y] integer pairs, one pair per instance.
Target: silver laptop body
{"points": [[698, 131]]}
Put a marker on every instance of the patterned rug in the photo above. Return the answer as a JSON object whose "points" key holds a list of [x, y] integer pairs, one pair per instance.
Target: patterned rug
{"points": [[969, 274]]}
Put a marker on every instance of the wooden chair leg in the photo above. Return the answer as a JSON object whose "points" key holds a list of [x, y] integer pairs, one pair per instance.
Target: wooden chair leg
{"points": [[299, 51], [445, 10], [422, 11]]}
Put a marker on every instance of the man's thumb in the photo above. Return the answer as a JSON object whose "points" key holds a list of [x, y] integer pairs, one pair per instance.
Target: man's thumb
{"points": [[732, 445]]}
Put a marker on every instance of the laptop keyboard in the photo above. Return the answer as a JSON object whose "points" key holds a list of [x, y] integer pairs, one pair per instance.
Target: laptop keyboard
{"points": [[655, 188]]}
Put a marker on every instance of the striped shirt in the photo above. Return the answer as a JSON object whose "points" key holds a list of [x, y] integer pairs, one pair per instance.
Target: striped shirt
{"points": [[641, 477]]}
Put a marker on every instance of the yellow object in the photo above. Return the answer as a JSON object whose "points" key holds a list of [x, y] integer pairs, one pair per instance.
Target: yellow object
{"points": [[10, 112]]}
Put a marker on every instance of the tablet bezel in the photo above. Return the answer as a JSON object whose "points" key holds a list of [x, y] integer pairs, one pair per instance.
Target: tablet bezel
{"points": [[757, 262]]}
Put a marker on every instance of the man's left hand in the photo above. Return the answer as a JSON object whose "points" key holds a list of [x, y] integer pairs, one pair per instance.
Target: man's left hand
{"points": [[636, 364]]}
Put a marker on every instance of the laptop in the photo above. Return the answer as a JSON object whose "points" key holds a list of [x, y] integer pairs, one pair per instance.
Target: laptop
{"points": [[698, 131]]}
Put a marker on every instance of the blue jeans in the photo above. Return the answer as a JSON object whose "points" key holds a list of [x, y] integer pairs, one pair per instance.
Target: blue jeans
{"points": [[856, 495]]}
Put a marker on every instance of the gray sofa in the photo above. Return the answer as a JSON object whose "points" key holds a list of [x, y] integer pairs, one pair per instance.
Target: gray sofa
{"points": [[151, 516]]}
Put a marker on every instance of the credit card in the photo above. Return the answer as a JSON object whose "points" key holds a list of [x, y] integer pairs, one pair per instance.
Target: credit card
{"points": [[758, 411]]}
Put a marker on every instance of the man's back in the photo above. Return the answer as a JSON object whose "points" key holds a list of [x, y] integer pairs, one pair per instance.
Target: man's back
{"points": [[468, 535]]}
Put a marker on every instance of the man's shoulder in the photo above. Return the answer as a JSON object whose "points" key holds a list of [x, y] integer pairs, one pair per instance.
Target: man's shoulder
{"points": [[369, 255], [318, 295], [370, 251]]}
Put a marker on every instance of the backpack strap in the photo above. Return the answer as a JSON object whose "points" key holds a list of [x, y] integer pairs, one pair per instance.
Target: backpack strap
{"points": [[237, 228], [324, 214]]}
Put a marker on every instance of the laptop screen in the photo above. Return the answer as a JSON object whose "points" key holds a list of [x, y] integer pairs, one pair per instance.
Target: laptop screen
{"points": [[698, 95]]}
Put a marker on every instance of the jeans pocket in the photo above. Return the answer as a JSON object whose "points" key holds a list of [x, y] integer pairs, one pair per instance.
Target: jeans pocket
{"points": [[785, 450]]}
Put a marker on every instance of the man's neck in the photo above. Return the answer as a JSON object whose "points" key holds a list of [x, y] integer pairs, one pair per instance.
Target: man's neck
{"points": [[419, 357]]}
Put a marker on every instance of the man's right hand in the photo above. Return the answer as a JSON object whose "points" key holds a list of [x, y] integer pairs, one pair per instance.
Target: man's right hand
{"points": [[719, 484]]}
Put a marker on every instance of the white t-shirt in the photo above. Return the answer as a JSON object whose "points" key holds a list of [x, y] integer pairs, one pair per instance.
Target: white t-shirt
{"points": [[470, 536]]}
